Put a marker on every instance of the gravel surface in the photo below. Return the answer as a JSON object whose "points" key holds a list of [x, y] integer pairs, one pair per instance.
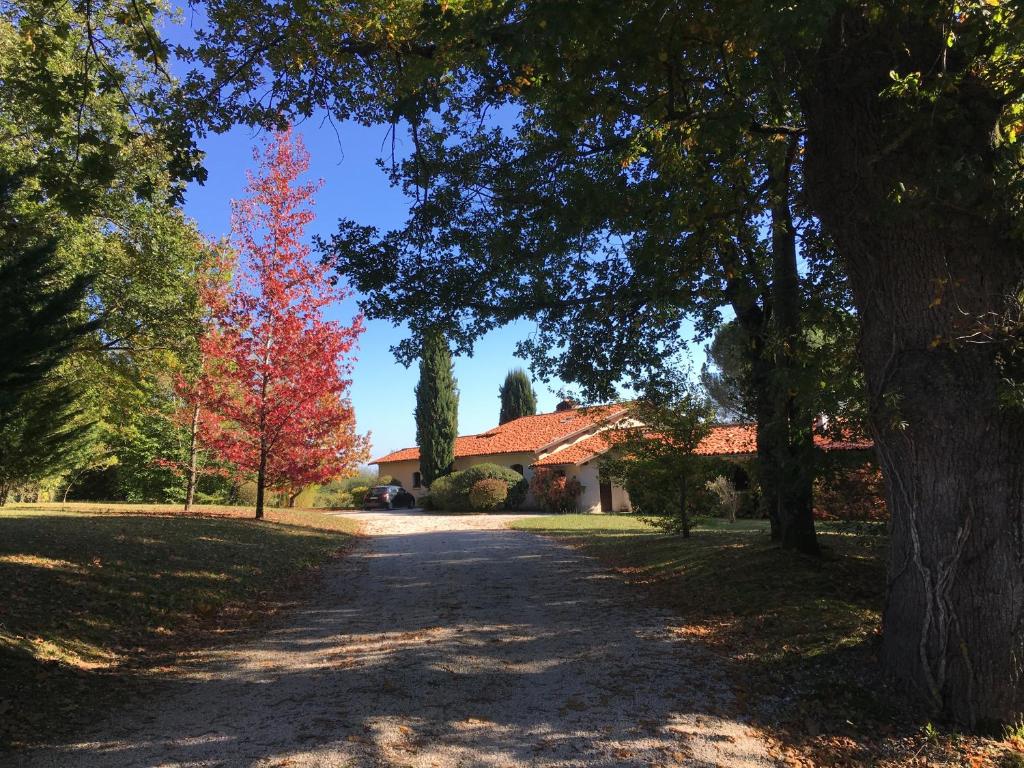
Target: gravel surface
{"points": [[442, 641]]}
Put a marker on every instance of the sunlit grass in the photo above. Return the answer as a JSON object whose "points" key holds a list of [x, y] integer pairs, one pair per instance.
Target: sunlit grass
{"points": [[742, 591], [84, 592]]}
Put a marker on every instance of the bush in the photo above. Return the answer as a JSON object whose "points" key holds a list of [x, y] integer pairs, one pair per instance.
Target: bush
{"points": [[426, 503], [442, 491], [555, 492], [451, 492], [347, 493], [517, 494], [729, 498], [488, 494], [850, 492]]}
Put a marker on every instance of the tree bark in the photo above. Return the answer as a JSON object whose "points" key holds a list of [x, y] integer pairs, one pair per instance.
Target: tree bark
{"points": [[261, 482], [192, 472], [768, 470], [791, 432], [684, 517], [67, 489], [927, 273], [751, 301]]}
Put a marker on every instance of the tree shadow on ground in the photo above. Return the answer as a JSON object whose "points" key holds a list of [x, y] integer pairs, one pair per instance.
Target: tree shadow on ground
{"points": [[88, 601], [444, 648]]}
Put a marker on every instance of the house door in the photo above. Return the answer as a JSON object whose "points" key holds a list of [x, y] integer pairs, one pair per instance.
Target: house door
{"points": [[606, 496]]}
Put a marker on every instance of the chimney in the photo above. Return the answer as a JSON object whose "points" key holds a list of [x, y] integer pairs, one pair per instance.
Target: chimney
{"points": [[566, 405]]}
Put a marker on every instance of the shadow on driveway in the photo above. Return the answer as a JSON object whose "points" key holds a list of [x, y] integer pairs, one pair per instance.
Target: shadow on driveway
{"points": [[445, 648]]}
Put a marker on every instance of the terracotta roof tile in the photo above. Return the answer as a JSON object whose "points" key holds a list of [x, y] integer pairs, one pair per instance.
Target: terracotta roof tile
{"points": [[579, 452], [528, 434], [738, 439], [727, 440]]}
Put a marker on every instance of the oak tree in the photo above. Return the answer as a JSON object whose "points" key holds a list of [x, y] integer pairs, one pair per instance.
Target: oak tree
{"points": [[905, 117]]}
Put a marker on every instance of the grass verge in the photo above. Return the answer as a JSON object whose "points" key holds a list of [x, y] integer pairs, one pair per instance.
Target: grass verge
{"points": [[90, 599], [799, 634]]}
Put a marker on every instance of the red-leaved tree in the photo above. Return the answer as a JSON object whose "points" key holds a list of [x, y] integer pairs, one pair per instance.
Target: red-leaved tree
{"points": [[276, 374]]}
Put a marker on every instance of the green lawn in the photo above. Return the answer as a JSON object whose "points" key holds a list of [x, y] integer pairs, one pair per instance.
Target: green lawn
{"points": [[739, 590], [796, 633], [90, 598]]}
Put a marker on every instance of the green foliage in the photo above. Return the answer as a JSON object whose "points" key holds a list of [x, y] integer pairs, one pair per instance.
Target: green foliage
{"points": [[488, 494], [347, 493], [437, 409], [517, 494], [653, 450], [517, 397], [87, 125], [47, 436], [44, 424], [86, 101], [726, 373], [452, 492], [443, 494]]}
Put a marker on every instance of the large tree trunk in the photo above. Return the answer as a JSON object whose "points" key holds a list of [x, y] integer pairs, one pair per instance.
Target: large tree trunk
{"points": [[792, 438], [750, 301], [926, 274], [768, 470]]}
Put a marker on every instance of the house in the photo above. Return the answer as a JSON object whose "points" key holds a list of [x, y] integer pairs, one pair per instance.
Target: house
{"points": [[520, 444], [571, 440]]}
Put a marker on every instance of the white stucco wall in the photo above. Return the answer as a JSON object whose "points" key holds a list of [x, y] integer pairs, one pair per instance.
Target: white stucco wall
{"points": [[587, 474], [589, 477]]}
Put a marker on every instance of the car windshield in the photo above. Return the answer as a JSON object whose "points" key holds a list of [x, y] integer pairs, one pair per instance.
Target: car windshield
{"points": [[381, 489]]}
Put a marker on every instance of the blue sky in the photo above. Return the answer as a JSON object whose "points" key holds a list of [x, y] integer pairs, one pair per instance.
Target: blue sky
{"points": [[382, 390], [344, 156]]}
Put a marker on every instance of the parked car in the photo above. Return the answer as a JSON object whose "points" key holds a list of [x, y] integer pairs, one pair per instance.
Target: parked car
{"points": [[388, 497]]}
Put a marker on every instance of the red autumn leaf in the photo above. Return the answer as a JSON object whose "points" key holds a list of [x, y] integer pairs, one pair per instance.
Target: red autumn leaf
{"points": [[275, 379]]}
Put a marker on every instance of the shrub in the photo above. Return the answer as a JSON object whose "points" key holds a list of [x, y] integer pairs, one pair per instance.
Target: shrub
{"points": [[442, 491], [847, 491], [346, 493], [728, 497], [517, 494], [426, 502], [555, 492], [451, 492], [488, 494]]}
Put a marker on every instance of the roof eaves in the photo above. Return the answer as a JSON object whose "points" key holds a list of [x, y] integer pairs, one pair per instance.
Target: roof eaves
{"points": [[581, 430]]}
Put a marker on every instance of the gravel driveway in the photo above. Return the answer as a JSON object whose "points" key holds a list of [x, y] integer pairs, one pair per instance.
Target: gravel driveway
{"points": [[441, 641]]}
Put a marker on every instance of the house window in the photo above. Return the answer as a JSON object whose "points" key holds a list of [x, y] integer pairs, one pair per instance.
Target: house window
{"points": [[417, 481], [518, 468]]}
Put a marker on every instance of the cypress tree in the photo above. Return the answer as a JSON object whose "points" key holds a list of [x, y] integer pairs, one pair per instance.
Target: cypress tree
{"points": [[517, 396], [437, 409]]}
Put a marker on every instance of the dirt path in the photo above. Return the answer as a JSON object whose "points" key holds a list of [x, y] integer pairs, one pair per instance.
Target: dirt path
{"points": [[443, 641]]}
